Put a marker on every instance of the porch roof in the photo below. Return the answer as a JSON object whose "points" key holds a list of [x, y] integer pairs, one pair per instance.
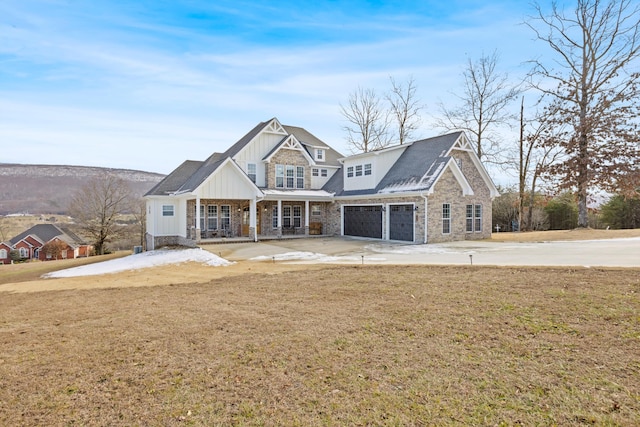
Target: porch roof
{"points": [[312, 195]]}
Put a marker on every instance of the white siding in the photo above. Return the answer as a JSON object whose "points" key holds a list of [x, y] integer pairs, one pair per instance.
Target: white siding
{"points": [[384, 162], [159, 225], [227, 183], [381, 162], [255, 152], [317, 182]]}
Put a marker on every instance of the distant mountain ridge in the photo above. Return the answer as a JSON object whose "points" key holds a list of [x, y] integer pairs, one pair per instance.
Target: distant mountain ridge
{"points": [[43, 189]]}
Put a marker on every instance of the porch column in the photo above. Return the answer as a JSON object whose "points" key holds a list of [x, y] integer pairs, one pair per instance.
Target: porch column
{"points": [[306, 217], [253, 229], [279, 217], [197, 239]]}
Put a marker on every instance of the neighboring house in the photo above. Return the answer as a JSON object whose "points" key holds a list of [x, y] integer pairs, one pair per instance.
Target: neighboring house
{"points": [[5, 250], [35, 242], [279, 180]]}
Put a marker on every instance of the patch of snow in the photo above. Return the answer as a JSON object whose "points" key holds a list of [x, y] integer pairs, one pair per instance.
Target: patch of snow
{"points": [[143, 260]]}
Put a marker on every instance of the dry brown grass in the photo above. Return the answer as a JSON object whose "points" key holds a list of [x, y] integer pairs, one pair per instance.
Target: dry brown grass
{"points": [[555, 235], [350, 345]]}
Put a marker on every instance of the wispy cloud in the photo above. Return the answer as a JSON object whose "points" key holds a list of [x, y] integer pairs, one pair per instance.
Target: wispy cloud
{"points": [[191, 78]]}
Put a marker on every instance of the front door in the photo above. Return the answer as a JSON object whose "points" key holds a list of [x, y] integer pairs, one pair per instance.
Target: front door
{"points": [[246, 222]]}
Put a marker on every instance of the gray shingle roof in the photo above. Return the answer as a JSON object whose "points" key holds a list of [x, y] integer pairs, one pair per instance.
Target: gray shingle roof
{"points": [[415, 170], [424, 158], [307, 139], [176, 179], [190, 174], [46, 232]]}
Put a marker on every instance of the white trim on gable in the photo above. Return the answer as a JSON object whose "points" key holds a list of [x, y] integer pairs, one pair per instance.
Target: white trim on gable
{"points": [[274, 126], [290, 143], [458, 175], [463, 144], [243, 176]]}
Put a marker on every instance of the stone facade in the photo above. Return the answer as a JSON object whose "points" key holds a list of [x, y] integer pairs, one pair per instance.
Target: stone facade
{"points": [[264, 216], [158, 242], [287, 157], [335, 222], [447, 190]]}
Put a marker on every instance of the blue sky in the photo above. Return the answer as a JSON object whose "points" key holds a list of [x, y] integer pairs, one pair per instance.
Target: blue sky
{"points": [[148, 84]]}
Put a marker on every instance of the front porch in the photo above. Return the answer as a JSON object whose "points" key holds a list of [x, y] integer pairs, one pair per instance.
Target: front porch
{"points": [[217, 221], [223, 240]]}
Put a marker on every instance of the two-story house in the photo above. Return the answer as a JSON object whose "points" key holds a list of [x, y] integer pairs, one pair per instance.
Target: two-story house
{"points": [[279, 180]]}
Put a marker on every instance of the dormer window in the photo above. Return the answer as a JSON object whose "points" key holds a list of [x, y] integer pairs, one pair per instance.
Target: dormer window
{"points": [[320, 154]]}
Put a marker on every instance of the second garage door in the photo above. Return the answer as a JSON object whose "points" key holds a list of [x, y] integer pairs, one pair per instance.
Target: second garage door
{"points": [[401, 222], [363, 221]]}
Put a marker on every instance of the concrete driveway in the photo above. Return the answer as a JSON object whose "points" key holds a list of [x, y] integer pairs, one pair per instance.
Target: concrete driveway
{"points": [[591, 253]]}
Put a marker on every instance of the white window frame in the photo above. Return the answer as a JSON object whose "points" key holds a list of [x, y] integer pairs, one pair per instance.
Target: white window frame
{"points": [[296, 216], [320, 154], [290, 176], [252, 171], [477, 218], [279, 176], [473, 218], [3, 253], [274, 217], [367, 169], [202, 218], [350, 172], [358, 170], [300, 177], [225, 217], [315, 172], [24, 253], [168, 210], [212, 217], [286, 216], [324, 173], [316, 210], [446, 218]]}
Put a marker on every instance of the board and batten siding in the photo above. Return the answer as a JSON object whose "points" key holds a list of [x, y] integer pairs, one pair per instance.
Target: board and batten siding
{"points": [[160, 225], [255, 152], [226, 183]]}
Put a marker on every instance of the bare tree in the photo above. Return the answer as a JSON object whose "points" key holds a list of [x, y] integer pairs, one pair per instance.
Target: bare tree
{"points": [[368, 121], [97, 206], [139, 212], [536, 153], [596, 47], [483, 110], [3, 230], [405, 108], [54, 248]]}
